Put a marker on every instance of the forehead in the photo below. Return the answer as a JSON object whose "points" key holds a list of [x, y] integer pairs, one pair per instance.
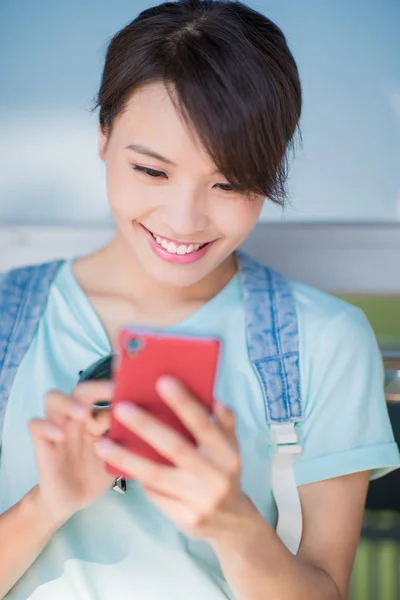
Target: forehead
{"points": [[153, 99], [151, 118]]}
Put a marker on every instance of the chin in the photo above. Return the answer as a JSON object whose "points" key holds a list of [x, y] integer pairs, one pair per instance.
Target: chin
{"points": [[176, 276], [167, 272]]}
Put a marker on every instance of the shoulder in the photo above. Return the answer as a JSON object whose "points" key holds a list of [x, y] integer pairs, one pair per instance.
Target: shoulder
{"points": [[27, 285], [27, 272], [324, 318], [346, 426], [337, 345]]}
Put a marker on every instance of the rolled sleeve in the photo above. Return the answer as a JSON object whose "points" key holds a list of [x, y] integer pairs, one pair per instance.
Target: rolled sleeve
{"points": [[346, 427]]}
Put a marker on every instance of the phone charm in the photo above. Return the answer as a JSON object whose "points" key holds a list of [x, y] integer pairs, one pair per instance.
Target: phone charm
{"points": [[119, 485]]}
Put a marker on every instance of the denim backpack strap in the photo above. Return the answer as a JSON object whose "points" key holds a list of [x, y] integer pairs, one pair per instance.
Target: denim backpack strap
{"points": [[23, 297], [273, 347]]}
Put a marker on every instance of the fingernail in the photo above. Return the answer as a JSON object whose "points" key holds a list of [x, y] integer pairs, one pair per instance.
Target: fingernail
{"points": [[167, 383], [103, 447], [125, 410]]}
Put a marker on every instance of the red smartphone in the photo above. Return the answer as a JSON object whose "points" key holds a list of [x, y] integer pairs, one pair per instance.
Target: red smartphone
{"points": [[143, 357]]}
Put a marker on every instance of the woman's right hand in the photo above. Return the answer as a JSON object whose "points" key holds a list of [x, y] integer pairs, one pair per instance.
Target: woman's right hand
{"points": [[71, 475]]}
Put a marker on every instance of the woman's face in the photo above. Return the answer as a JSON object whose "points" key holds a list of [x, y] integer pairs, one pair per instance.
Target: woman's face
{"points": [[175, 213]]}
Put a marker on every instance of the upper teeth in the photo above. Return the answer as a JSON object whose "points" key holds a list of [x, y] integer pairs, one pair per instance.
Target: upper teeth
{"points": [[176, 248]]}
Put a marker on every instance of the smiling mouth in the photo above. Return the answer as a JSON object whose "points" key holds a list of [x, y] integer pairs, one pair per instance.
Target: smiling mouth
{"points": [[175, 247]]}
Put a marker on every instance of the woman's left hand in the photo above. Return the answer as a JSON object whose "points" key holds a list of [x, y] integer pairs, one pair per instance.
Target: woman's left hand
{"points": [[201, 493]]}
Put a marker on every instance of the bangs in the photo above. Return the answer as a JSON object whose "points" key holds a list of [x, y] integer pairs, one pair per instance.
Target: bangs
{"points": [[241, 122], [231, 76]]}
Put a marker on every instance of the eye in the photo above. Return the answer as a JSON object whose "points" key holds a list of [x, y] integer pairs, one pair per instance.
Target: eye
{"points": [[149, 172], [226, 187]]}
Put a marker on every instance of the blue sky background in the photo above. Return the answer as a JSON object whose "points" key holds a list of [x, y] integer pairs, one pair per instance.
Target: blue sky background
{"points": [[348, 53]]}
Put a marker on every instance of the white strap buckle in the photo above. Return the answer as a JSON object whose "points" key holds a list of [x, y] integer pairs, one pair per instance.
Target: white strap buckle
{"points": [[284, 437], [284, 488]]}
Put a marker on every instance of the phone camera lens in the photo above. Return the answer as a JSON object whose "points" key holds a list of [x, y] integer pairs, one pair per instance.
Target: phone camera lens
{"points": [[133, 346]]}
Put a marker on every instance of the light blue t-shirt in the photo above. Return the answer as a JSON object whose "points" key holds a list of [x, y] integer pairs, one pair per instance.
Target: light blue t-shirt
{"points": [[122, 545]]}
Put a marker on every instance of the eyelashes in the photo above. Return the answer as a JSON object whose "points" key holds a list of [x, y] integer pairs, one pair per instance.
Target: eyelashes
{"points": [[150, 172], [226, 187], [155, 174]]}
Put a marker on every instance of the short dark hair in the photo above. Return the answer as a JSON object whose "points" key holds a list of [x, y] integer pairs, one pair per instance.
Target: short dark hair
{"points": [[233, 78]]}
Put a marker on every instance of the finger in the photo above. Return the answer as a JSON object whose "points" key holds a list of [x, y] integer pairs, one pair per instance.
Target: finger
{"points": [[60, 406], [227, 420], [134, 466], [44, 431], [162, 438], [75, 433], [197, 487], [47, 439], [208, 433], [169, 481], [89, 392]]}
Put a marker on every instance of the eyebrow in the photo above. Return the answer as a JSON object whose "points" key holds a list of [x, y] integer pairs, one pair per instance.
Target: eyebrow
{"points": [[148, 152]]}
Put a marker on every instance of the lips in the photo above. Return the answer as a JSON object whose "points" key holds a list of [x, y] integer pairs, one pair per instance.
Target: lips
{"points": [[175, 246], [175, 251]]}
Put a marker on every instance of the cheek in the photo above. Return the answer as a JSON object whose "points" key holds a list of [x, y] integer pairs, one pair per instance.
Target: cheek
{"points": [[240, 217], [125, 194]]}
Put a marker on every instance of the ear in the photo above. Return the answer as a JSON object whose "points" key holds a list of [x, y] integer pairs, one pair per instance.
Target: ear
{"points": [[103, 137]]}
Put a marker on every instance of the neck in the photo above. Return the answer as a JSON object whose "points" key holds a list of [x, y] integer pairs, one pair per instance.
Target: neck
{"points": [[126, 277]]}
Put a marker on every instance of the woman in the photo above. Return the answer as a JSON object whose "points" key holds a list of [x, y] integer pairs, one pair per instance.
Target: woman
{"points": [[199, 103]]}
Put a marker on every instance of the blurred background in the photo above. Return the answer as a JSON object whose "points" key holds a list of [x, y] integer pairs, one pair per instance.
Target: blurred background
{"points": [[341, 230], [51, 56]]}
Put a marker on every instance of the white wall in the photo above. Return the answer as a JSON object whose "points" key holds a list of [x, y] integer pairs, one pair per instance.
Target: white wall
{"points": [[355, 258]]}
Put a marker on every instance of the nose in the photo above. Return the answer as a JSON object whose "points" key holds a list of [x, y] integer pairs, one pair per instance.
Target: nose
{"points": [[185, 213]]}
